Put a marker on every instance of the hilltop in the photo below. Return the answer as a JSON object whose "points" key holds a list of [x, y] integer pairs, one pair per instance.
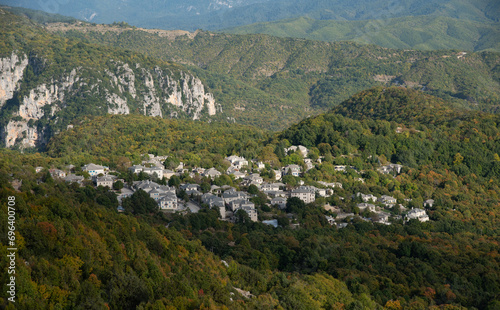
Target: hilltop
{"points": [[400, 105]]}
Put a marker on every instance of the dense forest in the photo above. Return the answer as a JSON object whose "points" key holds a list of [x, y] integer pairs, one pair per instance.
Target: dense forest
{"points": [[77, 250], [451, 262]]}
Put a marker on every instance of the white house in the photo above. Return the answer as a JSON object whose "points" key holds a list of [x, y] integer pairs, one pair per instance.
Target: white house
{"points": [[292, 170], [269, 187], [211, 173], [136, 169], [168, 173], [305, 194], [93, 169], [250, 210], [168, 203], [279, 201], [237, 161], [363, 206], [388, 201], [258, 164], [104, 181], [332, 185], [340, 168], [254, 178], [124, 193], [74, 178], [277, 175], [383, 218], [367, 198], [56, 173], [418, 214], [429, 203], [390, 168], [303, 150]]}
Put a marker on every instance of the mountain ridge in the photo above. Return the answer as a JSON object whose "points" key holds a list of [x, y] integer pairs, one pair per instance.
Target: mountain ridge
{"points": [[216, 15], [421, 32]]}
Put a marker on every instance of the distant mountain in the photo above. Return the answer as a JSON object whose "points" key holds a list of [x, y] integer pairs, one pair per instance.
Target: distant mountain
{"points": [[214, 15], [427, 32]]}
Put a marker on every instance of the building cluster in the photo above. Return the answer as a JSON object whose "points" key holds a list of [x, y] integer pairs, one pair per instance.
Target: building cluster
{"points": [[377, 206], [228, 201]]}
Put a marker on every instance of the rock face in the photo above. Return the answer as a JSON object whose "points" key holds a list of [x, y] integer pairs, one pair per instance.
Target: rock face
{"points": [[120, 89], [11, 71], [194, 92]]}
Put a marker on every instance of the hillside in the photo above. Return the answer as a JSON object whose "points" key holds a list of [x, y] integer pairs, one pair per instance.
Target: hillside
{"points": [[401, 105], [447, 154], [408, 127], [427, 32], [77, 252], [77, 69], [301, 76], [131, 136], [215, 15], [47, 81]]}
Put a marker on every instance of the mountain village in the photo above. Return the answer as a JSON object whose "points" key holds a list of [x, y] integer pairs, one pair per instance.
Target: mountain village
{"points": [[228, 200]]}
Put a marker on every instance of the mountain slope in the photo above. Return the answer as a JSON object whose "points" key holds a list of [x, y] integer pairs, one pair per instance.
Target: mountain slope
{"points": [[421, 32], [408, 127], [47, 81], [306, 74], [400, 105]]}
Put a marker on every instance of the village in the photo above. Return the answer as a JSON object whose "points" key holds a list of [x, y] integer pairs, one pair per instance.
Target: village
{"points": [[228, 200]]}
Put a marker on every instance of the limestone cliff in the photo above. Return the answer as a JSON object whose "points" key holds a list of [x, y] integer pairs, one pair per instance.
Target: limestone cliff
{"points": [[121, 88], [11, 71]]}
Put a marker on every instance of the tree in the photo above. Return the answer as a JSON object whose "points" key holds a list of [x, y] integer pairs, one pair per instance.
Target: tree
{"points": [[253, 189], [174, 181], [118, 185], [205, 187], [295, 205], [140, 203], [171, 162], [290, 180], [242, 217]]}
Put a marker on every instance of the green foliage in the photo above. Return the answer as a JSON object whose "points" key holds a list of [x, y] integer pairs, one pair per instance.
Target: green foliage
{"points": [[285, 77], [140, 203], [431, 131], [133, 135], [428, 32]]}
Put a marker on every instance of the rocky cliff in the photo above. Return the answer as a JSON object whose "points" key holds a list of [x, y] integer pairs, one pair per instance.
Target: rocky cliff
{"points": [[40, 109]]}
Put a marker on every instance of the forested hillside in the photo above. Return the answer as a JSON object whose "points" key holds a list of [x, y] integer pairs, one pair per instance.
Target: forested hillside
{"points": [[47, 81], [256, 80], [419, 32], [448, 154], [296, 75]]}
